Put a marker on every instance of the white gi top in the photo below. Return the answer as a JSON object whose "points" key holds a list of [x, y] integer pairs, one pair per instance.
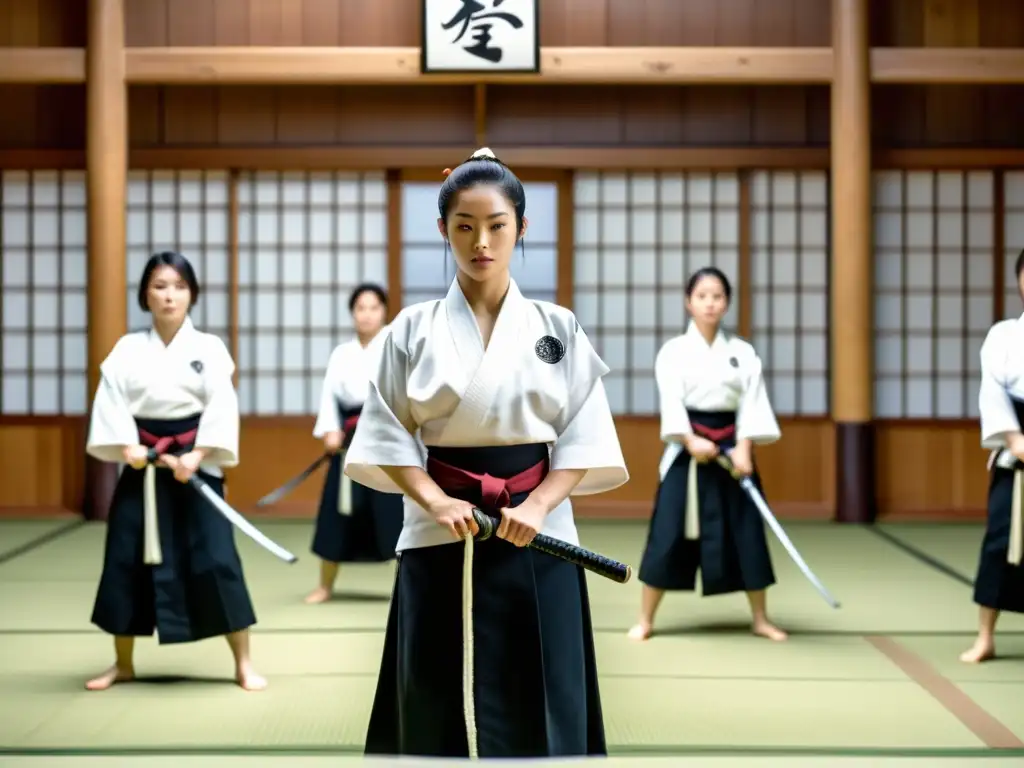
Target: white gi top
{"points": [[1002, 377], [347, 380], [142, 378], [723, 376], [539, 381]]}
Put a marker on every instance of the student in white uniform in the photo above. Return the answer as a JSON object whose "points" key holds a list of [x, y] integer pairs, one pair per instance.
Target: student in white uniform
{"points": [[999, 585], [487, 399], [170, 561], [354, 523], [713, 399]]}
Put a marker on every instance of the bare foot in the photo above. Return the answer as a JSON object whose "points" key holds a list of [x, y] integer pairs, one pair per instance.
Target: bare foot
{"points": [[113, 675], [249, 680], [769, 630], [982, 650], [318, 595], [640, 632]]}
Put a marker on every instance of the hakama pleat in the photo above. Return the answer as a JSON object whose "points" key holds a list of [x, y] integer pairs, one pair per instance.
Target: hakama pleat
{"points": [[731, 552], [199, 589], [999, 584], [534, 681], [367, 533]]}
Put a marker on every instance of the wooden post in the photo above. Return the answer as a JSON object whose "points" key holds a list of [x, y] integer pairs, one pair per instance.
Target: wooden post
{"points": [[106, 170], [851, 279]]}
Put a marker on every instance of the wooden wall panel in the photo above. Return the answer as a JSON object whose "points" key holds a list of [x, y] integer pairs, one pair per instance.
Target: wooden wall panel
{"points": [[793, 116], [42, 117], [947, 115], [790, 116], [397, 22], [925, 470], [42, 23], [947, 23], [53, 116], [299, 116], [43, 467], [987, 116], [931, 470]]}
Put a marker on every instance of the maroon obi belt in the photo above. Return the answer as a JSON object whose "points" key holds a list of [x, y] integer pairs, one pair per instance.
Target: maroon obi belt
{"points": [[491, 477], [717, 426], [348, 418], [169, 436]]}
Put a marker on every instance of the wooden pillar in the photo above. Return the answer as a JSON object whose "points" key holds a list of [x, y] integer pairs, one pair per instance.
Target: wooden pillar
{"points": [[106, 170], [851, 278]]}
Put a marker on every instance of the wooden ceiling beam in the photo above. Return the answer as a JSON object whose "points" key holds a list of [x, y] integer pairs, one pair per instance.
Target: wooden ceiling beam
{"points": [[560, 66], [939, 66], [42, 65], [527, 160], [401, 66]]}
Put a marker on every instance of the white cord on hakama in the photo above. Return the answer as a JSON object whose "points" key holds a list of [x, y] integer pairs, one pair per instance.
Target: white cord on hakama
{"points": [[1013, 553], [345, 494], [152, 554], [468, 699], [692, 519]]}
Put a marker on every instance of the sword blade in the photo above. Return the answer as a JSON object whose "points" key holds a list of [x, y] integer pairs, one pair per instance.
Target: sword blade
{"points": [[762, 507], [276, 495], [236, 519]]}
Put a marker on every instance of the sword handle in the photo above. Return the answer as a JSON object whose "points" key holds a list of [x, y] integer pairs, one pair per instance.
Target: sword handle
{"points": [[726, 463], [591, 561]]}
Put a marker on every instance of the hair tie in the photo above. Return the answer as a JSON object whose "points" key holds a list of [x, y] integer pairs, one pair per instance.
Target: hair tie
{"points": [[445, 172]]}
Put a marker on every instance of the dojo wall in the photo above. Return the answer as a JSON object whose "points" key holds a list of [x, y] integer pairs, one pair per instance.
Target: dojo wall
{"points": [[246, 179], [280, 251]]}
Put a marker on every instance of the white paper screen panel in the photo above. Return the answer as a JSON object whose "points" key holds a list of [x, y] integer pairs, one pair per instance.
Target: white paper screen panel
{"points": [[638, 237], [43, 278], [428, 270], [934, 290], [1013, 239], [305, 241], [789, 254]]}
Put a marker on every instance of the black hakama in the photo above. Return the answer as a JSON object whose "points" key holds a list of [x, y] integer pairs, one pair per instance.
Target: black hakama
{"points": [[1000, 584], [370, 531], [732, 550], [534, 669], [199, 589]]}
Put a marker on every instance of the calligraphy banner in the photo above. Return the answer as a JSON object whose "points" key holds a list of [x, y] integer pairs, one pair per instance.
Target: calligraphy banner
{"points": [[480, 36]]}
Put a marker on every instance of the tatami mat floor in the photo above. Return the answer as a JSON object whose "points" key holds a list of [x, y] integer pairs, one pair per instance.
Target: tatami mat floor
{"points": [[875, 681]]}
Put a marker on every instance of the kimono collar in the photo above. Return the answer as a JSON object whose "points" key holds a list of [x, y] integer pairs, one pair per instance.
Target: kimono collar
{"points": [[465, 332], [694, 334], [185, 332]]}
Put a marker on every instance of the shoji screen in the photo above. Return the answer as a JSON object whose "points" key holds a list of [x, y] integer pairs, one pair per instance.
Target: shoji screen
{"points": [[427, 271], [934, 291], [638, 238], [43, 277], [1013, 239], [305, 241], [789, 287]]}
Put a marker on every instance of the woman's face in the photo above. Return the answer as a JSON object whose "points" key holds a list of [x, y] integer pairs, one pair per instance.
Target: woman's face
{"points": [[168, 295], [707, 302], [481, 230], [368, 313]]}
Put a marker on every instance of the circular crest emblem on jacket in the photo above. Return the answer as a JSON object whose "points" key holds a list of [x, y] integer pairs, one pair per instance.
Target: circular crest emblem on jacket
{"points": [[734, 362], [549, 349], [197, 366]]}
